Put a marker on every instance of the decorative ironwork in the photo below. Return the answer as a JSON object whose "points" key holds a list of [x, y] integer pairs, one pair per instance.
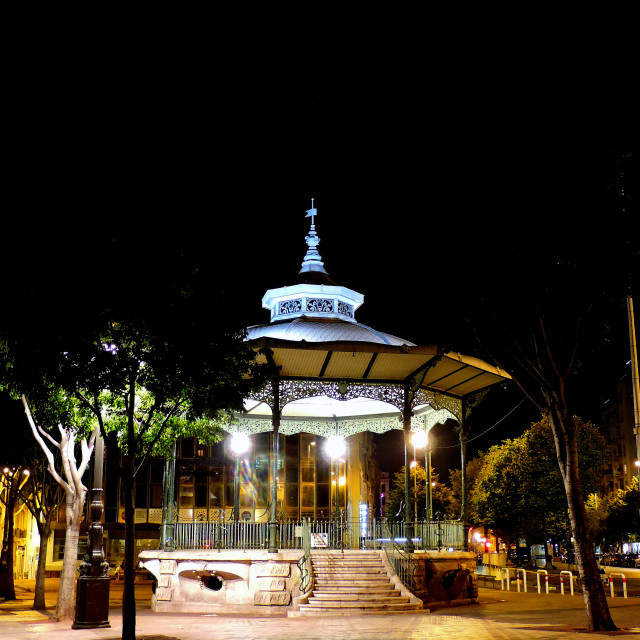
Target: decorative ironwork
{"points": [[345, 309], [393, 394], [296, 534], [290, 306], [320, 305]]}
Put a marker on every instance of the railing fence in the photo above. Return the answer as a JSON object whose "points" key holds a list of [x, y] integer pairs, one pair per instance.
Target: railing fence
{"points": [[334, 534]]}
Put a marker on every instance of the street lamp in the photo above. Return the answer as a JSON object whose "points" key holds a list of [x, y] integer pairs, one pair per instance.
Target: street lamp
{"points": [[420, 439], [336, 447], [92, 590], [239, 445]]}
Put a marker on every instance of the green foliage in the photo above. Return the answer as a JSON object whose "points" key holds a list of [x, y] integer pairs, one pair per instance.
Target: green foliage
{"points": [[615, 518], [441, 495], [519, 490]]}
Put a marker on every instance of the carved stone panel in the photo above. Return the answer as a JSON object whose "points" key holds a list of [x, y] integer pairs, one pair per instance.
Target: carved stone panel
{"points": [[267, 569], [272, 598], [164, 581], [163, 593], [272, 584], [168, 566]]}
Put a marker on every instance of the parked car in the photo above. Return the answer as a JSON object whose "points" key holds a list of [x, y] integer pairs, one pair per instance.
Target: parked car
{"points": [[630, 560], [638, 561]]}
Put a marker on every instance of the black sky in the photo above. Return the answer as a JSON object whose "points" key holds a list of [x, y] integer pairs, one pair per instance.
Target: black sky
{"points": [[427, 153]]}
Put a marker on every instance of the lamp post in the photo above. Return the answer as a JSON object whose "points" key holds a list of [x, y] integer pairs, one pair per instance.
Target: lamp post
{"points": [[420, 439], [92, 591], [635, 380], [239, 445], [335, 448]]}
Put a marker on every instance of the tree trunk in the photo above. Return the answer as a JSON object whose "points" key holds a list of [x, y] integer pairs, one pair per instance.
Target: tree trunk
{"points": [[65, 609], [598, 615], [128, 595], [44, 529]]}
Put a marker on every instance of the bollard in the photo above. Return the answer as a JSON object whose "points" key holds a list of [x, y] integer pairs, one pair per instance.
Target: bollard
{"points": [[562, 581], [524, 579], [504, 570], [624, 584], [546, 580]]}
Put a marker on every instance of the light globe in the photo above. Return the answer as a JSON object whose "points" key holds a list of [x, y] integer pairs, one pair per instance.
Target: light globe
{"points": [[335, 446], [240, 443]]}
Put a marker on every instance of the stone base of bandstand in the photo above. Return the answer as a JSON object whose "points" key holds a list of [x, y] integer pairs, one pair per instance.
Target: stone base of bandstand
{"points": [[261, 583], [226, 581]]}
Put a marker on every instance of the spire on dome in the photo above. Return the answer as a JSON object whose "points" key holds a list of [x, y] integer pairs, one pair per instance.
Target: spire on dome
{"points": [[312, 263]]}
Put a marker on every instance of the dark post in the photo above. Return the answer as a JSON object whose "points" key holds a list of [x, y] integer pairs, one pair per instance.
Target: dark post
{"points": [[92, 593], [273, 522], [167, 542], [408, 519], [463, 431], [236, 491]]}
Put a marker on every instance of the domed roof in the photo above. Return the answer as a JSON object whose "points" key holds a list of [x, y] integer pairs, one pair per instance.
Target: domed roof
{"points": [[315, 309], [318, 330]]}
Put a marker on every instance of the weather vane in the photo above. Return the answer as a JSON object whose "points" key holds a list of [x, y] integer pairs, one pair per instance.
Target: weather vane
{"points": [[311, 213]]}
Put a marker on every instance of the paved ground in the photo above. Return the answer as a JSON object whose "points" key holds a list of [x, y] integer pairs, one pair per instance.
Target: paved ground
{"points": [[499, 615]]}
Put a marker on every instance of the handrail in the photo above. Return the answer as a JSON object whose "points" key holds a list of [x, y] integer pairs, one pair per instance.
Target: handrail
{"points": [[401, 561], [504, 569], [570, 574], [546, 579], [304, 563], [624, 583]]}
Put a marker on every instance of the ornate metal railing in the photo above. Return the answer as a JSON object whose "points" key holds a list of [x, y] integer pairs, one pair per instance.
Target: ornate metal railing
{"points": [[402, 562], [333, 534], [304, 564]]}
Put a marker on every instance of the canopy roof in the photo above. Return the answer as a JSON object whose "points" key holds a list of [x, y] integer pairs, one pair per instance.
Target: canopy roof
{"points": [[449, 373]]}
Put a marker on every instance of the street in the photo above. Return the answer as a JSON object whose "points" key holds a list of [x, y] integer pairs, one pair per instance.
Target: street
{"points": [[499, 615]]}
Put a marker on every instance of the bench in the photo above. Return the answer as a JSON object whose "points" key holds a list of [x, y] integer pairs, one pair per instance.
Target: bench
{"points": [[486, 581]]}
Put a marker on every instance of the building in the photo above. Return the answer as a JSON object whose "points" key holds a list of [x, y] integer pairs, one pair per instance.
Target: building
{"points": [[618, 423]]}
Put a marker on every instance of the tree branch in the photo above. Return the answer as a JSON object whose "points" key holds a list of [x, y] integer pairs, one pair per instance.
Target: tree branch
{"points": [[43, 446]]}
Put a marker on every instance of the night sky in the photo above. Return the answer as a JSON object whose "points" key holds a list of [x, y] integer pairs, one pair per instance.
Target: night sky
{"points": [[425, 158]]}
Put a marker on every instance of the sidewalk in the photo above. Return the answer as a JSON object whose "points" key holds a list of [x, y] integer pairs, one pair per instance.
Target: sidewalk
{"points": [[499, 615]]}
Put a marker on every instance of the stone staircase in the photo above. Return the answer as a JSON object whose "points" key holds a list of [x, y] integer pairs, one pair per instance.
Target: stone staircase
{"points": [[355, 582]]}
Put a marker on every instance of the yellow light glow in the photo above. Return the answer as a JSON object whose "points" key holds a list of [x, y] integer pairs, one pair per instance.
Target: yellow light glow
{"points": [[419, 439]]}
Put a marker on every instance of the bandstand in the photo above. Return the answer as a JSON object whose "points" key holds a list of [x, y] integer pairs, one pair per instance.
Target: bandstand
{"points": [[334, 377]]}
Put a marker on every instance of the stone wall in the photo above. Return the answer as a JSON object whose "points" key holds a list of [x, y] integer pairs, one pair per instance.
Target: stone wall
{"points": [[229, 581]]}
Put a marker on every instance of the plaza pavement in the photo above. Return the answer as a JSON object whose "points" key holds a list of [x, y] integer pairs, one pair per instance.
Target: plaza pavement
{"points": [[499, 615]]}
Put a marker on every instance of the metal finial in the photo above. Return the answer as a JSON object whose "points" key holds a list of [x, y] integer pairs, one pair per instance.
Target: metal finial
{"points": [[311, 213]]}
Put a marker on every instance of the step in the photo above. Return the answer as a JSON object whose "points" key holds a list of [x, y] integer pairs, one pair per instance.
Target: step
{"points": [[346, 564], [360, 606], [334, 613], [375, 591], [348, 597], [320, 582], [341, 571]]}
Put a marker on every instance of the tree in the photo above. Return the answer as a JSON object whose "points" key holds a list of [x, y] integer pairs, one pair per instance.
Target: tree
{"points": [[455, 478], [518, 488], [43, 496], [615, 518], [441, 495], [75, 496], [143, 365], [552, 314], [12, 479]]}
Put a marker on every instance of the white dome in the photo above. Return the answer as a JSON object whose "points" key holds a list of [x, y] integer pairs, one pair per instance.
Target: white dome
{"points": [[309, 330]]}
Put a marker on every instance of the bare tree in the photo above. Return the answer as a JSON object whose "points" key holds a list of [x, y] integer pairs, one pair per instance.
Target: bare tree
{"points": [[70, 479]]}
